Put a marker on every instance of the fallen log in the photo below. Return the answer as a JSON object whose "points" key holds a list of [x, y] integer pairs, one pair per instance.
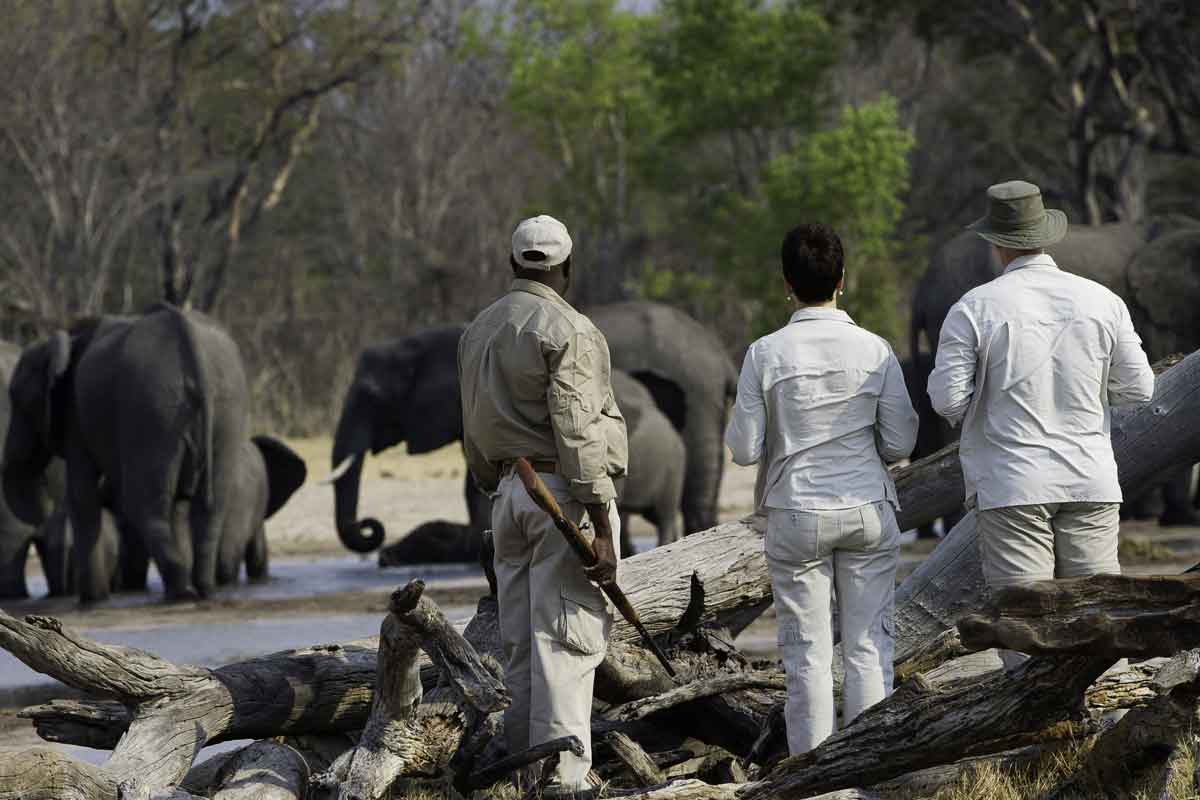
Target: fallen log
{"points": [[1109, 616], [506, 766], [641, 767], [639, 709], [921, 726], [1145, 738], [179, 709], [1104, 618], [393, 742]]}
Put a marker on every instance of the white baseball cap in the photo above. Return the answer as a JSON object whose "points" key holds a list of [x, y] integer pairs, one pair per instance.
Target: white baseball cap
{"points": [[540, 242]]}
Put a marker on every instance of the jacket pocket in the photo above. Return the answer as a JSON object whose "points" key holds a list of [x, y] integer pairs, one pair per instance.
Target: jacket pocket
{"points": [[583, 620]]}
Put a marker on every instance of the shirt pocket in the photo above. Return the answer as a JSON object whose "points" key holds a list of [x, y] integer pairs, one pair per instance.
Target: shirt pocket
{"points": [[584, 621]]}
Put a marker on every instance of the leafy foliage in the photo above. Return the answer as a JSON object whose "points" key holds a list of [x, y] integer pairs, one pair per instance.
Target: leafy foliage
{"points": [[854, 177]]}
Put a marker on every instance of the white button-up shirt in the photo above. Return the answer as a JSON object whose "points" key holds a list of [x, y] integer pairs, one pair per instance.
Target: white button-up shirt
{"points": [[1029, 363], [821, 404]]}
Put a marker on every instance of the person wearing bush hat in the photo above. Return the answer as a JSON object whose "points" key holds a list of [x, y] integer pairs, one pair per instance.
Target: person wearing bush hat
{"points": [[1030, 364], [535, 378]]}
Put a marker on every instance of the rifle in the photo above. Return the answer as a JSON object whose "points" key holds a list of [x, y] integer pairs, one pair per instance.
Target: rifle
{"points": [[583, 548]]}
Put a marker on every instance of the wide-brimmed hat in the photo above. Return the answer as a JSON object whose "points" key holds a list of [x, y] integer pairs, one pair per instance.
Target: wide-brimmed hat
{"points": [[540, 242], [1017, 219]]}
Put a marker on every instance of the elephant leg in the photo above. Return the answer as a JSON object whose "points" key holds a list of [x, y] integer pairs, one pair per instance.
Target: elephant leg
{"points": [[150, 512], [1146, 505], [1177, 499], [626, 540], [207, 526], [135, 561], [54, 546], [92, 569], [14, 551], [256, 556], [670, 528]]}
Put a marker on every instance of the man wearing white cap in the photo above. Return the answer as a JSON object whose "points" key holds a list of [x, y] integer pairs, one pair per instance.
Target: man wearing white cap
{"points": [[535, 380], [1030, 364]]}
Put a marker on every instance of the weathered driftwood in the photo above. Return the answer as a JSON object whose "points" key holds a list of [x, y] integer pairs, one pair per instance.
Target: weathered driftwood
{"points": [[394, 742], [506, 766], [1104, 616], [921, 725], [641, 767], [696, 690], [1145, 738], [179, 709]]}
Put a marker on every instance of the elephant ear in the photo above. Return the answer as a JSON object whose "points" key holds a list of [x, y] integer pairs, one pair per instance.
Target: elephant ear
{"points": [[286, 471], [58, 361]]}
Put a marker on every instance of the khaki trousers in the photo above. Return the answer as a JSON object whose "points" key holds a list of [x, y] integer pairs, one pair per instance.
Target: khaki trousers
{"points": [[1022, 544], [808, 553], [554, 624]]}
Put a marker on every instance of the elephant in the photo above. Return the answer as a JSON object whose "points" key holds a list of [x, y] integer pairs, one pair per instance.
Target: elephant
{"points": [[406, 390], [268, 473], [16, 536], [146, 411], [1154, 266], [693, 381], [438, 541], [656, 463], [258, 492], [656, 459]]}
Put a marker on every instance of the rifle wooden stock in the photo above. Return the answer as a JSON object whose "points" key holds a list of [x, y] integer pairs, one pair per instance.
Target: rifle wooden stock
{"points": [[544, 500]]}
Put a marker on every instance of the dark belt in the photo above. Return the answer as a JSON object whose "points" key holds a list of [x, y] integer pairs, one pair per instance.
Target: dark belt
{"points": [[539, 465]]}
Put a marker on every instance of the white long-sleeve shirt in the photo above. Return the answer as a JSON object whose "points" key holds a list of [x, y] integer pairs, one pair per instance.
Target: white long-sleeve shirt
{"points": [[1030, 363], [821, 403]]}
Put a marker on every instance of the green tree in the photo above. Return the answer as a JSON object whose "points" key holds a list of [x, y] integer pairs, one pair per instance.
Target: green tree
{"points": [[854, 177]]}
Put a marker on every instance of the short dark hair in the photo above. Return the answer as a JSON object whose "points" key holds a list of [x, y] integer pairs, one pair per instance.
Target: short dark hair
{"points": [[812, 260]]}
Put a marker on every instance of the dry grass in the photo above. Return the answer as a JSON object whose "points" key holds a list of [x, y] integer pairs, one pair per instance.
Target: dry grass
{"points": [[1143, 551], [1063, 775]]}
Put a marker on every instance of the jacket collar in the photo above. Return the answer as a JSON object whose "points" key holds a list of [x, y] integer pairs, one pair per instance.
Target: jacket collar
{"points": [[540, 289], [830, 314], [1037, 260]]}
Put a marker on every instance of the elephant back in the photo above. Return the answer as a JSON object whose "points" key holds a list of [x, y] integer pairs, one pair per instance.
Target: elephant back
{"points": [[1101, 253], [662, 341], [1163, 293], [632, 398]]}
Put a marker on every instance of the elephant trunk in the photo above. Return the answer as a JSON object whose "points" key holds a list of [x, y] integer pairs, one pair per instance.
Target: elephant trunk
{"points": [[351, 443], [26, 496]]}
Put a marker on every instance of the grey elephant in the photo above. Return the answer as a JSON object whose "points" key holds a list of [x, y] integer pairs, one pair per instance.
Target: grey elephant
{"points": [[1153, 266], [258, 492], [146, 412], [406, 390], [693, 381], [654, 488], [267, 474]]}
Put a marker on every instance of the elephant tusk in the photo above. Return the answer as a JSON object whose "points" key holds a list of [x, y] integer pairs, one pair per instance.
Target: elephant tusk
{"points": [[340, 470]]}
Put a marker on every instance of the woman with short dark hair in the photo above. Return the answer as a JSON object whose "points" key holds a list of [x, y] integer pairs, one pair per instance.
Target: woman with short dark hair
{"points": [[821, 406]]}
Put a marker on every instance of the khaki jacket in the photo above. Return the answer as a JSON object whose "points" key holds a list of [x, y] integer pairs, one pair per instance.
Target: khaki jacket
{"points": [[536, 382]]}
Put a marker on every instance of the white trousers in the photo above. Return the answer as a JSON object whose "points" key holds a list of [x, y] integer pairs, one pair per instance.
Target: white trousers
{"points": [[808, 554], [554, 624]]}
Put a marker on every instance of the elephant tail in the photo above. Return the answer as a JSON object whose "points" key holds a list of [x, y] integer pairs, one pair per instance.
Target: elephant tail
{"points": [[204, 391]]}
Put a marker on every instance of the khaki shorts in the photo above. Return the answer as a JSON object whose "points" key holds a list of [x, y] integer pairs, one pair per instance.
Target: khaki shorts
{"points": [[1020, 544]]}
